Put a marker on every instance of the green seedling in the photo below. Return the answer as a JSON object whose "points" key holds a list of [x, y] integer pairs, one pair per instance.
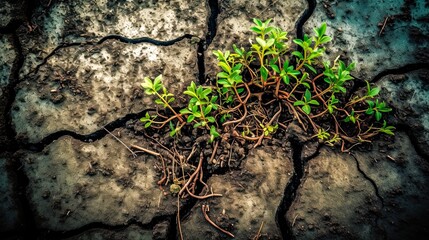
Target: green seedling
{"points": [[306, 102], [264, 73], [377, 108], [155, 87]]}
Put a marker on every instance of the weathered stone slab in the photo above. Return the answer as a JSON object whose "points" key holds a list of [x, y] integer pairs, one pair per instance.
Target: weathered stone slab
{"points": [[81, 21], [334, 201], [356, 30], [130, 233], [9, 217], [250, 196], [72, 184], [408, 94], [82, 89], [12, 12], [402, 177]]}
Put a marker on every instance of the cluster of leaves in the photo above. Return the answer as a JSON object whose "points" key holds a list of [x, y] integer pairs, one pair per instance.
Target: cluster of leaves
{"points": [[270, 72]]}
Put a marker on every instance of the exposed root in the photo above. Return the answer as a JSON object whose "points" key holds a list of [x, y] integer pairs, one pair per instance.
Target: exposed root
{"points": [[205, 209], [258, 234]]}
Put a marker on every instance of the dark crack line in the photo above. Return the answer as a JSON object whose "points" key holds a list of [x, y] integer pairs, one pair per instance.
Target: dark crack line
{"points": [[299, 25], [299, 162], [11, 93], [410, 132], [91, 137], [212, 22], [374, 185], [400, 70], [111, 37], [304, 18], [289, 195], [54, 235], [204, 44]]}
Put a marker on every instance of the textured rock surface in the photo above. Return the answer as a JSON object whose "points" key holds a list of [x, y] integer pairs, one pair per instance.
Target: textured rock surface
{"points": [[356, 25], [334, 178], [73, 184], [250, 198], [131, 233], [409, 95], [85, 189], [402, 179], [83, 88], [80, 21], [9, 217], [7, 57], [12, 12]]}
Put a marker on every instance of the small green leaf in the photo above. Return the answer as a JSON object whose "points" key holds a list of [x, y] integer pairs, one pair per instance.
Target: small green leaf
{"points": [[311, 68], [257, 22], [222, 75], [275, 68], [307, 95], [325, 39], [299, 103], [306, 109], [378, 115], [185, 111], [211, 119], [314, 102], [190, 118], [298, 54], [270, 42], [261, 42]]}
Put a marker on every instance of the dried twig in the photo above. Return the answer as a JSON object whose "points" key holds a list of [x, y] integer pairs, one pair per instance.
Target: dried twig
{"points": [[258, 234], [178, 218], [119, 140], [384, 25], [294, 220], [146, 150]]}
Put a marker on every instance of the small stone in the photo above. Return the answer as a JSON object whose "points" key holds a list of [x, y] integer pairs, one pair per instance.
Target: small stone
{"points": [[57, 98]]}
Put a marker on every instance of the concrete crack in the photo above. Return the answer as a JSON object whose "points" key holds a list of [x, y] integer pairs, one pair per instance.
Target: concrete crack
{"points": [[9, 94], [290, 192], [204, 44], [304, 18], [49, 234], [109, 37], [400, 70], [91, 137], [374, 185]]}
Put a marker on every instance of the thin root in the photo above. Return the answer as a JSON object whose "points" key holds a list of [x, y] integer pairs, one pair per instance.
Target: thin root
{"points": [[205, 209]]}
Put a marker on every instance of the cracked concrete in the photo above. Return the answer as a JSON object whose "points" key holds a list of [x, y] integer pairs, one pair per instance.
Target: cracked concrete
{"points": [[401, 176], [408, 94], [82, 89], [10, 209], [80, 21], [73, 184], [355, 26], [333, 178]]}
